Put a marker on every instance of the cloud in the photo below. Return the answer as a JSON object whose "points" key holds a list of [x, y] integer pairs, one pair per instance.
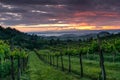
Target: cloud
{"points": [[36, 12]]}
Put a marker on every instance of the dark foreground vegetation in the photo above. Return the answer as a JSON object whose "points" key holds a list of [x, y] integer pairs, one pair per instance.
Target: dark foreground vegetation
{"points": [[30, 57]]}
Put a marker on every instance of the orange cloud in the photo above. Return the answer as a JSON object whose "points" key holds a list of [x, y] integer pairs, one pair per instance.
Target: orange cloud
{"points": [[96, 13], [110, 27], [86, 13]]}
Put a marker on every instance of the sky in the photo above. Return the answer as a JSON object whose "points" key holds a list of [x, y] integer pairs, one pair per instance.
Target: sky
{"points": [[60, 15]]}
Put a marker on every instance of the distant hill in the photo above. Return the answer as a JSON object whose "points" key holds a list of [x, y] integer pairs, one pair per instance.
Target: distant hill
{"points": [[19, 38], [76, 32], [7, 33], [104, 33]]}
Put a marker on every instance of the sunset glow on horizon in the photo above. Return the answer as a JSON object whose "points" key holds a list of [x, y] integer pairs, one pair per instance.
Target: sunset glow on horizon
{"points": [[60, 27]]}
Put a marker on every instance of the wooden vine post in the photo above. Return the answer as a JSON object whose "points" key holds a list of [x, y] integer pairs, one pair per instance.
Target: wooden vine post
{"points": [[61, 57], [103, 72], [69, 59], [57, 60], [12, 61], [19, 73], [81, 64]]}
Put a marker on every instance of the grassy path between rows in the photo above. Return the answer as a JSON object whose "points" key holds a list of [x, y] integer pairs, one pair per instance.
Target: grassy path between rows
{"points": [[41, 71]]}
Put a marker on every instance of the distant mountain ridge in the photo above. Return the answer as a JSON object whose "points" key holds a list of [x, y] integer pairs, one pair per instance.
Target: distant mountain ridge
{"points": [[76, 32], [75, 35], [66, 31]]}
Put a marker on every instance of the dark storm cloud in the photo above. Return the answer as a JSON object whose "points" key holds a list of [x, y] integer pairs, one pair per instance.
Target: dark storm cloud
{"points": [[28, 1], [64, 2], [16, 12], [43, 2]]}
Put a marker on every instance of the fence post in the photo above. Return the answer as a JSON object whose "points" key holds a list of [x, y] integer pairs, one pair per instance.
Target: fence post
{"points": [[69, 57], [57, 61], [101, 60], [61, 56], [81, 64]]}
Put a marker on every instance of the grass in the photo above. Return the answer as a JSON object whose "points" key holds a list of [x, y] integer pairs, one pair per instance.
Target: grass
{"points": [[41, 71], [92, 69]]}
